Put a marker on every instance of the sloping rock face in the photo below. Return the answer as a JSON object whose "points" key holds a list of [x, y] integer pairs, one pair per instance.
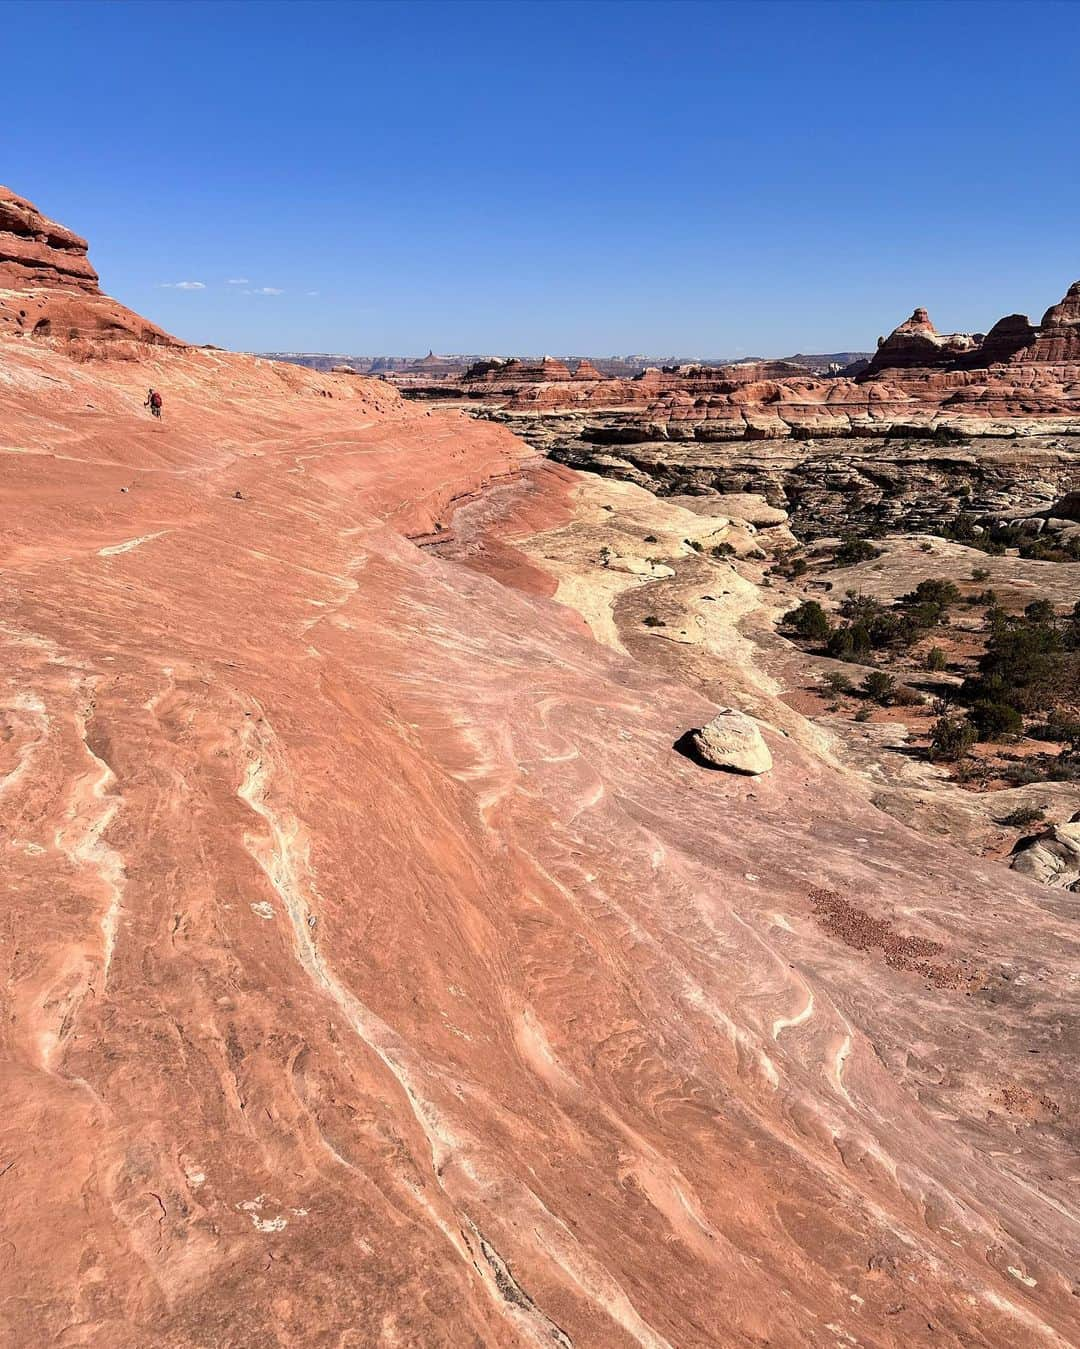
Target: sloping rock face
{"points": [[49, 290], [375, 973]]}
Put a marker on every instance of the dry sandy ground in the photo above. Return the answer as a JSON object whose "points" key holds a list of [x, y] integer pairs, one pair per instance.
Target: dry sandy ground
{"points": [[375, 973]]}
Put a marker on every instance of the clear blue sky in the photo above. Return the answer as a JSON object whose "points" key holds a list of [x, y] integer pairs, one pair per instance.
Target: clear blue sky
{"points": [[671, 178]]}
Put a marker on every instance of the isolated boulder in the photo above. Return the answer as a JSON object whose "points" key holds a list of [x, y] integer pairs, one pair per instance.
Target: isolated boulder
{"points": [[733, 741]]}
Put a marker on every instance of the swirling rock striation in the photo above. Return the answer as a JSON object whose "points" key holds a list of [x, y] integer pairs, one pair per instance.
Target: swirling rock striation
{"points": [[374, 972]]}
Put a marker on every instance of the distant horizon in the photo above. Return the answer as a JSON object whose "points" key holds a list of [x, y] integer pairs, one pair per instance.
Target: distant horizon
{"points": [[584, 177]]}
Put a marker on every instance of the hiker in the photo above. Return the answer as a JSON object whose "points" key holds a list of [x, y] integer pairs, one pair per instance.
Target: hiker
{"points": [[153, 402]]}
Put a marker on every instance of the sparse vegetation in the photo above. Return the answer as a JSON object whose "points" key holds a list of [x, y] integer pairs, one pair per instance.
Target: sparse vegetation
{"points": [[994, 720], [951, 738], [651, 621], [1025, 682], [853, 550], [1022, 816], [809, 620], [880, 686], [1034, 547]]}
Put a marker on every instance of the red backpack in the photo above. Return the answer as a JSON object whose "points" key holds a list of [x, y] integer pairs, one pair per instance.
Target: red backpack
{"points": [[155, 399]]}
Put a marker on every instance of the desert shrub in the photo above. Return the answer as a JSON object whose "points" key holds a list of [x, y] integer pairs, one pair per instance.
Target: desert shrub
{"points": [[797, 567], [809, 620], [905, 696], [863, 714], [723, 549], [855, 605], [853, 550], [980, 573], [695, 544], [1022, 816], [1070, 633], [837, 682], [1025, 665], [873, 626], [1040, 611], [951, 738], [926, 546], [651, 621], [926, 616], [879, 686], [994, 720], [936, 592], [936, 659], [1059, 725], [849, 643], [928, 604], [1046, 549], [650, 538]]}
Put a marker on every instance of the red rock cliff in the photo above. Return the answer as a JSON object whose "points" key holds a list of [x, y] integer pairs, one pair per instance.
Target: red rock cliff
{"points": [[49, 290]]}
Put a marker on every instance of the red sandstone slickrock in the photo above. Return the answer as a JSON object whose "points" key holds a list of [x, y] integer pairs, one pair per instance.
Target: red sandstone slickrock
{"points": [[376, 972]]}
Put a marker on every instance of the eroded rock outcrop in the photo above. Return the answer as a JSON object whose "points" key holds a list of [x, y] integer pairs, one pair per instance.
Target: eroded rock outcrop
{"points": [[1052, 857], [50, 291], [917, 343]]}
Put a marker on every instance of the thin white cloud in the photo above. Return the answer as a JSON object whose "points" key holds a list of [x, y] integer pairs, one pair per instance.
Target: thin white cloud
{"points": [[238, 281], [267, 290], [312, 292], [182, 285]]}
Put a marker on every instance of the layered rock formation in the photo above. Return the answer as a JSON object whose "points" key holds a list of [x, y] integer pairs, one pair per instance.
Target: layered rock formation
{"points": [[49, 290], [1013, 340], [917, 343], [832, 486], [375, 972], [1017, 380]]}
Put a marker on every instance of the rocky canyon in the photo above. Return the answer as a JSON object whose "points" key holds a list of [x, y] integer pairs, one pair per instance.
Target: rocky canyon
{"points": [[387, 962]]}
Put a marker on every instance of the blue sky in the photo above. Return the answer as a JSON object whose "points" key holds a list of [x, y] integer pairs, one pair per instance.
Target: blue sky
{"points": [[715, 179]]}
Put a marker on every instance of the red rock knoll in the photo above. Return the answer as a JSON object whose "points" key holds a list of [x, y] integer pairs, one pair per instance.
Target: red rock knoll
{"points": [[49, 290], [375, 972]]}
